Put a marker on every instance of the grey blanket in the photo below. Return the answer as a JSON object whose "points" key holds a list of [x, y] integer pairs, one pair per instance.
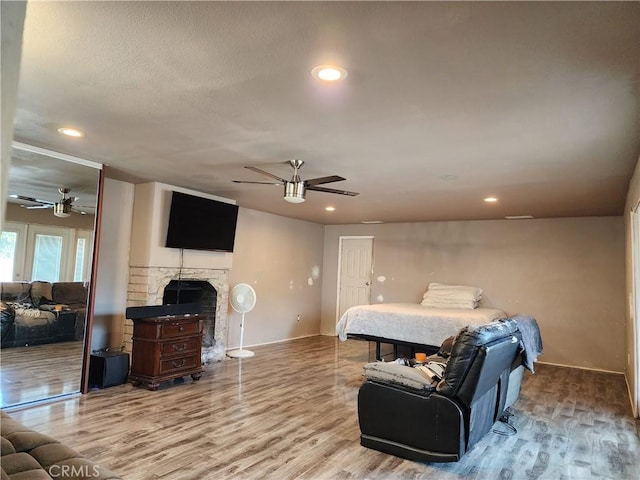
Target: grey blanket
{"points": [[530, 339]]}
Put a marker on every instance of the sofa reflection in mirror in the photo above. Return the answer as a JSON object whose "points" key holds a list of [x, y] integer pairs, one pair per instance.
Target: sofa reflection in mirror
{"points": [[38, 312]]}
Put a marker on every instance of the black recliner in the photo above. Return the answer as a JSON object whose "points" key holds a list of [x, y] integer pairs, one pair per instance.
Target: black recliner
{"points": [[440, 422]]}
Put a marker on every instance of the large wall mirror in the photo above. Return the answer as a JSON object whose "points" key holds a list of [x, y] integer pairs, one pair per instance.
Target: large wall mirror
{"points": [[46, 254]]}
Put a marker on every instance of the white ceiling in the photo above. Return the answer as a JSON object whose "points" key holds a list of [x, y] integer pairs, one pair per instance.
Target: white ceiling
{"points": [[444, 104]]}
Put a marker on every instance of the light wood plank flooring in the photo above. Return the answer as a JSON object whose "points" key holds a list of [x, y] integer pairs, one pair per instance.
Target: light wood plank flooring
{"points": [[35, 372], [290, 412]]}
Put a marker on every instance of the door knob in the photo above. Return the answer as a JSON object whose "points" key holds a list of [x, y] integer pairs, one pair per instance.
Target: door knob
{"points": [[368, 283]]}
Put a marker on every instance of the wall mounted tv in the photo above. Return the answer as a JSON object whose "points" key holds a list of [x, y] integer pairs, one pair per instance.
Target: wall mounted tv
{"points": [[198, 223]]}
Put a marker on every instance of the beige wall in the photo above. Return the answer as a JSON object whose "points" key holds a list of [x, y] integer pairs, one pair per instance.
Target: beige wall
{"points": [[632, 323], [113, 264], [277, 256], [567, 272], [149, 231], [15, 213], [274, 254]]}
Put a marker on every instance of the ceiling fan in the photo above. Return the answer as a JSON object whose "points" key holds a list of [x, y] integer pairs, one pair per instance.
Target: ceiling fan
{"points": [[61, 208], [296, 188]]}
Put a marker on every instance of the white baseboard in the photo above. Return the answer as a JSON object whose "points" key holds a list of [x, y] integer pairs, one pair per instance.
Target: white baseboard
{"points": [[581, 368], [634, 409], [275, 341]]}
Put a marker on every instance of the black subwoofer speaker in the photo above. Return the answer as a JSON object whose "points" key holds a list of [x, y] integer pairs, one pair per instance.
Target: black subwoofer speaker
{"points": [[107, 369]]}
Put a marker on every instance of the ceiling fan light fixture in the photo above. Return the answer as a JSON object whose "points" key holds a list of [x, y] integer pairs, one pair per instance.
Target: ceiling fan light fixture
{"points": [[294, 192], [62, 210]]}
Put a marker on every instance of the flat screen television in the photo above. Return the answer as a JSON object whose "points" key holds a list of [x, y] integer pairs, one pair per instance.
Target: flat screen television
{"points": [[198, 223]]}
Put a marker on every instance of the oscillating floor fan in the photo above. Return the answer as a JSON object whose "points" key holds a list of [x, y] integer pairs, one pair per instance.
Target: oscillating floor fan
{"points": [[242, 299]]}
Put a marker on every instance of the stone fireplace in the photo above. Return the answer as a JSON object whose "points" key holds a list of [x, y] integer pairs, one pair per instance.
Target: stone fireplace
{"points": [[158, 285], [152, 266], [195, 291]]}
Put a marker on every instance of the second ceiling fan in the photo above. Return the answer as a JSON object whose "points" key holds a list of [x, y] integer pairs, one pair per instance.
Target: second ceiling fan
{"points": [[296, 188], [61, 208]]}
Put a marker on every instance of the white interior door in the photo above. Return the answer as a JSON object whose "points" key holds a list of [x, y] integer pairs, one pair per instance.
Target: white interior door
{"points": [[354, 281]]}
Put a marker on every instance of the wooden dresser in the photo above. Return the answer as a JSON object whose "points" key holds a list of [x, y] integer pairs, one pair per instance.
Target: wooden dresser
{"points": [[166, 348]]}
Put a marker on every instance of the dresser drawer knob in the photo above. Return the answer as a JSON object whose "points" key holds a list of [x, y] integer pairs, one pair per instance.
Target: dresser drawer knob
{"points": [[179, 364], [181, 329], [178, 348]]}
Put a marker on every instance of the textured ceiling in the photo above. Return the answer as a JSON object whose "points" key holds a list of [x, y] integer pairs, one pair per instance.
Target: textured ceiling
{"points": [[444, 103]]}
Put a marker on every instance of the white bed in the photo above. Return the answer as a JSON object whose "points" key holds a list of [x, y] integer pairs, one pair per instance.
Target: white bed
{"points": [[410, 323]]}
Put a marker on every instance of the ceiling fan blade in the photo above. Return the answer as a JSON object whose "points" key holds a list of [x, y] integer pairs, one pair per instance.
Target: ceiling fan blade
{"points": [[259, 183], [318, 181], [333, 190], [31, 199], [35, 207], [257, 170]]}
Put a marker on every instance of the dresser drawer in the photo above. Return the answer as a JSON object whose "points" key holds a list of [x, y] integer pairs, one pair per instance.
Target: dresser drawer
{"points": [[177, 347], [180, 363], [179, 329]]}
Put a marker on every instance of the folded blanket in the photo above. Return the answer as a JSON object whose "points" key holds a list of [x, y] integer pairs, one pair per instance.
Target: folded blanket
{"points": [[530, 339]]}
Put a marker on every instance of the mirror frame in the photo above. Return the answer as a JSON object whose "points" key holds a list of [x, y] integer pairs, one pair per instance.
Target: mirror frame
{"points": [[84, 380], [86, 352]]}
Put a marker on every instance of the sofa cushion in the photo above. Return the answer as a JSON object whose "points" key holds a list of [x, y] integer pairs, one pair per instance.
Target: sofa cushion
{"points": [[15, 292], [29, 455], [394, 373], [7, 322], [69, 293], [41, 293], [20, 462], [31, 317]]}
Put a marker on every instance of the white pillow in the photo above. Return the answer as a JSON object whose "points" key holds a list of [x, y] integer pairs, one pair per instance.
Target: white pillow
{"points": [[439, 295], [457, 291], [434, 303]]}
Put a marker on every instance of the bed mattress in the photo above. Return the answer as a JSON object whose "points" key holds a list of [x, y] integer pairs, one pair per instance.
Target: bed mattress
{"points": [[410, 322]]}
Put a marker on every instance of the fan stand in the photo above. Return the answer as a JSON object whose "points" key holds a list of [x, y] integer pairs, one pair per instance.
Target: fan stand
{"points": [[240, 353]]}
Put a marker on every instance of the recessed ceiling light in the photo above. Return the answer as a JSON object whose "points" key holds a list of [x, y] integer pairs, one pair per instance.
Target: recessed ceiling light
{"points": [[329, 73], [71, 132], [372, 221], [330, 209], [491, 199]]}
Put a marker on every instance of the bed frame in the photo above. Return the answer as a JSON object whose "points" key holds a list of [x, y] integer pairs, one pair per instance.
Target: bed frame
{"points": [[415, 347]]}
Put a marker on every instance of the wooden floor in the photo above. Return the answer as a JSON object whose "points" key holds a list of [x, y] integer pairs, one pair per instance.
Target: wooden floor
{"points": [[290, 412], [35, 372]]}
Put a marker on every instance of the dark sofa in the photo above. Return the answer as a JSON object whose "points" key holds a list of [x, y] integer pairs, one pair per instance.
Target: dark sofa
{"points": [[39, 312], [29, 455]]}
